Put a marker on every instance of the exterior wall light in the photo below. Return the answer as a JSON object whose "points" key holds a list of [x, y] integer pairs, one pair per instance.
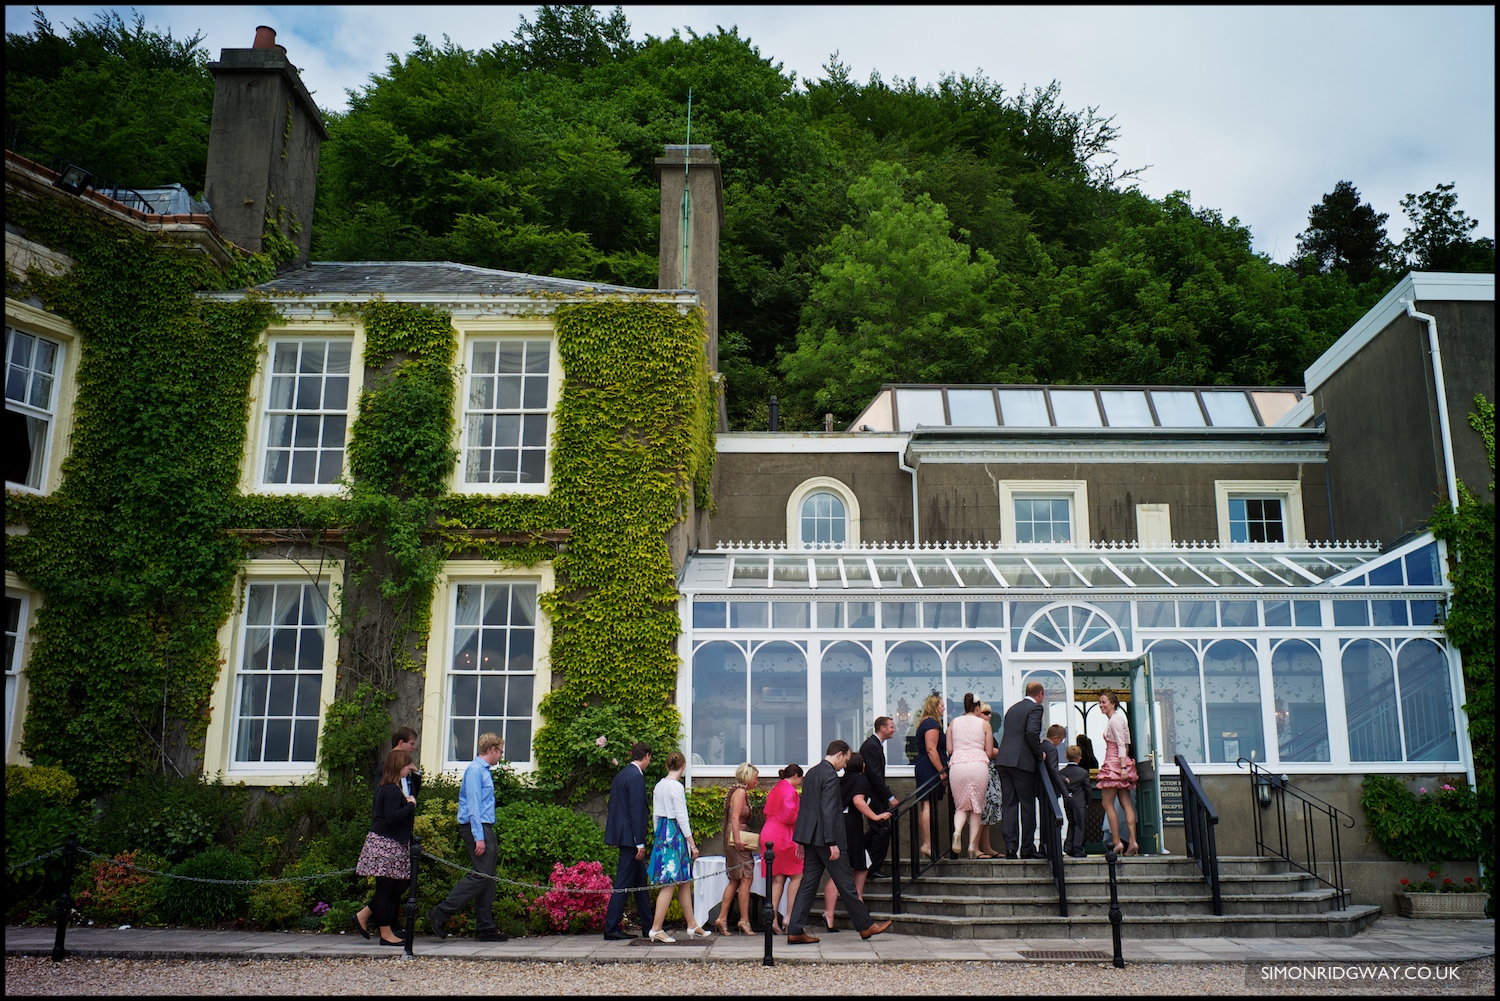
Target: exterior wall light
{"points": [[74, 179]]}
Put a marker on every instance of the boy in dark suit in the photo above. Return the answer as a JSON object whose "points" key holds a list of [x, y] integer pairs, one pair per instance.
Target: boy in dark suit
{"points": [[1077, 778], [625, 828]]}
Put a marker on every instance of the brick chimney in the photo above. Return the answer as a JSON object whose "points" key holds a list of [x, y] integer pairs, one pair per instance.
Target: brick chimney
{"points": [[263, 145]]}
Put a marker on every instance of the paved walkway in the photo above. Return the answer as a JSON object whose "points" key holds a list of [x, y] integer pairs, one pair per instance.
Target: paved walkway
{"points": [[1389, 939]]}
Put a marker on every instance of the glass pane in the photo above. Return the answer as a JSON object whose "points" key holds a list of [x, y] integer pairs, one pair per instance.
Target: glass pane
{"points": [[517, 735], [710, 615], [943, 614], [465, 694], [975, 667], [1231, 692], [1308, 613], [1126, 408], [492, 649], [971, 407], [492, 696], [282, 695], [496, 604], [1177, 409], [1024, 408], [518, 701], [847, 674], [1422, 567], [1427, 703], [919, 406], [1386, 575], [900, 615], [1179, 692], [1229, 409], [718, 699], [913, 671], [747, 615], [789, 615], [1075, 408], [1388, 613], [309, 694], [1278, 613], [1424, 613], [1370, 702], [1156, 614], [1301, 712], [861, 614], [1196, 614], [985, 614], [1351, 613], [278, 740], [830, 614], [1237, 613], [305, 740], [522, 650], [538, 355]]}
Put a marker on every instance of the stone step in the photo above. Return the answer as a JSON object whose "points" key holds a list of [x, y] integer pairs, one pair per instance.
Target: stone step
{"points": [[1082, 905], [1140, 866], [1037, 925], [1009, 887]]}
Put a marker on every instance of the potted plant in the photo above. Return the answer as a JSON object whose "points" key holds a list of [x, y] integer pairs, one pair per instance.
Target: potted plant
{"points": [[1429, 898]]}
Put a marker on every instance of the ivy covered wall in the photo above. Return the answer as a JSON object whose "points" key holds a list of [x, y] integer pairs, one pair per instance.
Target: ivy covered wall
{"points": [[134, 556]]}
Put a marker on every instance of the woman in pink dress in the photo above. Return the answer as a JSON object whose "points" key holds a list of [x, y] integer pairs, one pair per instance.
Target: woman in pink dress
{"points": [[785, 873], [1116, 779], [971, 745]]}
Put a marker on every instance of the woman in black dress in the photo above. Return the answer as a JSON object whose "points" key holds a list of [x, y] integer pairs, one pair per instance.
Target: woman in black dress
{"points": [[932, 760], [385, 854], [854, 790]]}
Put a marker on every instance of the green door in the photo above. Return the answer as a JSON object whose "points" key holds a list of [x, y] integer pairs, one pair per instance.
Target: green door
{"points": [[1142, 718]]}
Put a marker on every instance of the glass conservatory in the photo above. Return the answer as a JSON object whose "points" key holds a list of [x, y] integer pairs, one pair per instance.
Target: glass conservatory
{"points": [[1325, 658]]}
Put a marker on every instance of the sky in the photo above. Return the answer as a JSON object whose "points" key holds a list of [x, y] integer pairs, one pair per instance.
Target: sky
{"points": [[1255, 111]]}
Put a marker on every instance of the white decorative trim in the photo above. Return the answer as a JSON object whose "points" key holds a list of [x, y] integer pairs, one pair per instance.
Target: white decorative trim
{"points": [[323, 305], [781, 443], [742, 547], [1417, 286], [1077, 492], [838, 488], [1129, 451], [1288, 491]]}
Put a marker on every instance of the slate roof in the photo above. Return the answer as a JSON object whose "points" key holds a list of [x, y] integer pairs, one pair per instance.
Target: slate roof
{"points": [[425, 278]]}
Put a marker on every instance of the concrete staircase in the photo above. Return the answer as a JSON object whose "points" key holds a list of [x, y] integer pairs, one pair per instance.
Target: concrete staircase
{"points": [[1160, 897]]}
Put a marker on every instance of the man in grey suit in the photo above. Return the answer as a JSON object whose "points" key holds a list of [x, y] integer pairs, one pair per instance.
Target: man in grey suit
{"points": [[820, 831], [1020, 753]]}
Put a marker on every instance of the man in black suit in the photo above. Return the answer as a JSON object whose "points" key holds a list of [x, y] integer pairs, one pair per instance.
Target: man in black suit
{"points": [[625, 828], [1020, 754], [873, 751], [820, 831]]}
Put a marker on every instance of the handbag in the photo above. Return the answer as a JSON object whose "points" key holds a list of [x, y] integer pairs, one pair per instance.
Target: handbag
{"points": [[750, 840]]}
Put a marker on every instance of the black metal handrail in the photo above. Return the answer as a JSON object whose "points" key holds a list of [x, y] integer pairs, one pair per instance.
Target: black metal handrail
{"points": [[911, 809], [59, 164], [1052, 841], [1200, 821], [1269, 793]]}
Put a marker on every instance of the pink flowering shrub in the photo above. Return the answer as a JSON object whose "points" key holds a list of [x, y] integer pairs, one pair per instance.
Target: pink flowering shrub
{"points": [[570, 906]]}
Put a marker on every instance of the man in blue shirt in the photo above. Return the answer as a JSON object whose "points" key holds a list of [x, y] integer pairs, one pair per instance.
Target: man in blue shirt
{"points": [[476, 822]]}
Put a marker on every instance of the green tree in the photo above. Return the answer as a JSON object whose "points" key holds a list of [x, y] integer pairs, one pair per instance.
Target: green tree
{"points": [[1345, 234], [1438, 234], [898, 299], [130, 103]]}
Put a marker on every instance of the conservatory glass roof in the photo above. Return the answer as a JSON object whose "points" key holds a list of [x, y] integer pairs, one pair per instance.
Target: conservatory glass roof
{"points": [[920, 569]]}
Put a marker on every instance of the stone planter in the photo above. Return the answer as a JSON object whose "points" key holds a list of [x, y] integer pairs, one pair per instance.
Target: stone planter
{"points": [[1442, 905]]}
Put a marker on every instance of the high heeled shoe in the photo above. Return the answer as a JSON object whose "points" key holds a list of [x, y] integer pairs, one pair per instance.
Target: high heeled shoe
{"points": [[657, 935], [1119, 848], [722, 927], [925, 852], [1133, 849], [699, 932], [745, 929], [958, 842]]}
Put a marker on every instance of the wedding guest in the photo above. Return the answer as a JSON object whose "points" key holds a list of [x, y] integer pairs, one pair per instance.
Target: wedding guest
{"points": [[971, 746], [785, 872], [673, 851], [740, 844], [1117, 776], [854, 792], [932, 762], [386, 854]]}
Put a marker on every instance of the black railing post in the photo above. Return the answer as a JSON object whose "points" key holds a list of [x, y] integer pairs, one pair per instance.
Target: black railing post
{"points": [[770, 918], [895, 865], [411, 898], [1115, 916], [65, 899]]}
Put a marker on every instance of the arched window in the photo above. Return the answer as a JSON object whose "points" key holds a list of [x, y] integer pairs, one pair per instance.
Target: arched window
{"points": [[1427, 703], [1179, 691], [1231, 692], [1370, 702], [1071, 627], [1301, 714], [719, 688], [822, 513]]}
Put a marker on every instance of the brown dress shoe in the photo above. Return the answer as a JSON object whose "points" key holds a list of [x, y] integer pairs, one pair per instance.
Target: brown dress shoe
{"points": [[803, 939], [875, 929]]}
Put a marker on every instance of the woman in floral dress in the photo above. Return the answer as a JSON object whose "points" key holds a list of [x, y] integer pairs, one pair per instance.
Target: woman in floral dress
{"points": [[673, 851]]}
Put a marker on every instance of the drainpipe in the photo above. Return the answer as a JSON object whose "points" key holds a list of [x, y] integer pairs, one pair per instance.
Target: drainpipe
{"points": [[1452, 475], [1442, 398], [916, 532]]}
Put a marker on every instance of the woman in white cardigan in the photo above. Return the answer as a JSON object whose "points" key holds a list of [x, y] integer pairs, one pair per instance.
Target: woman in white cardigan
{"points": [[673, 851]]}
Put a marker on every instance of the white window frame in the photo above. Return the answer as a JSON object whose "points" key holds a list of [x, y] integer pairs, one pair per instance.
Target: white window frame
{"points": [[437, 689], [15, 669], [471, 333], [253, 463], [1076, 492], [218, 757], [822, 484], [1289, 492], [50, 327]]}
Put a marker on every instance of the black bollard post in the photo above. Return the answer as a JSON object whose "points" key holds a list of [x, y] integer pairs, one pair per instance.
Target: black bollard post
{"points": [[411, 898], [1114, 907], [65, 901], [770, 918]]}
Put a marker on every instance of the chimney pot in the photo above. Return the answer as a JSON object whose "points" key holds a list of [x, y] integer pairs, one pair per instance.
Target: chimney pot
{"points": [[265, 37], [775, 414], [827, 422]]}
